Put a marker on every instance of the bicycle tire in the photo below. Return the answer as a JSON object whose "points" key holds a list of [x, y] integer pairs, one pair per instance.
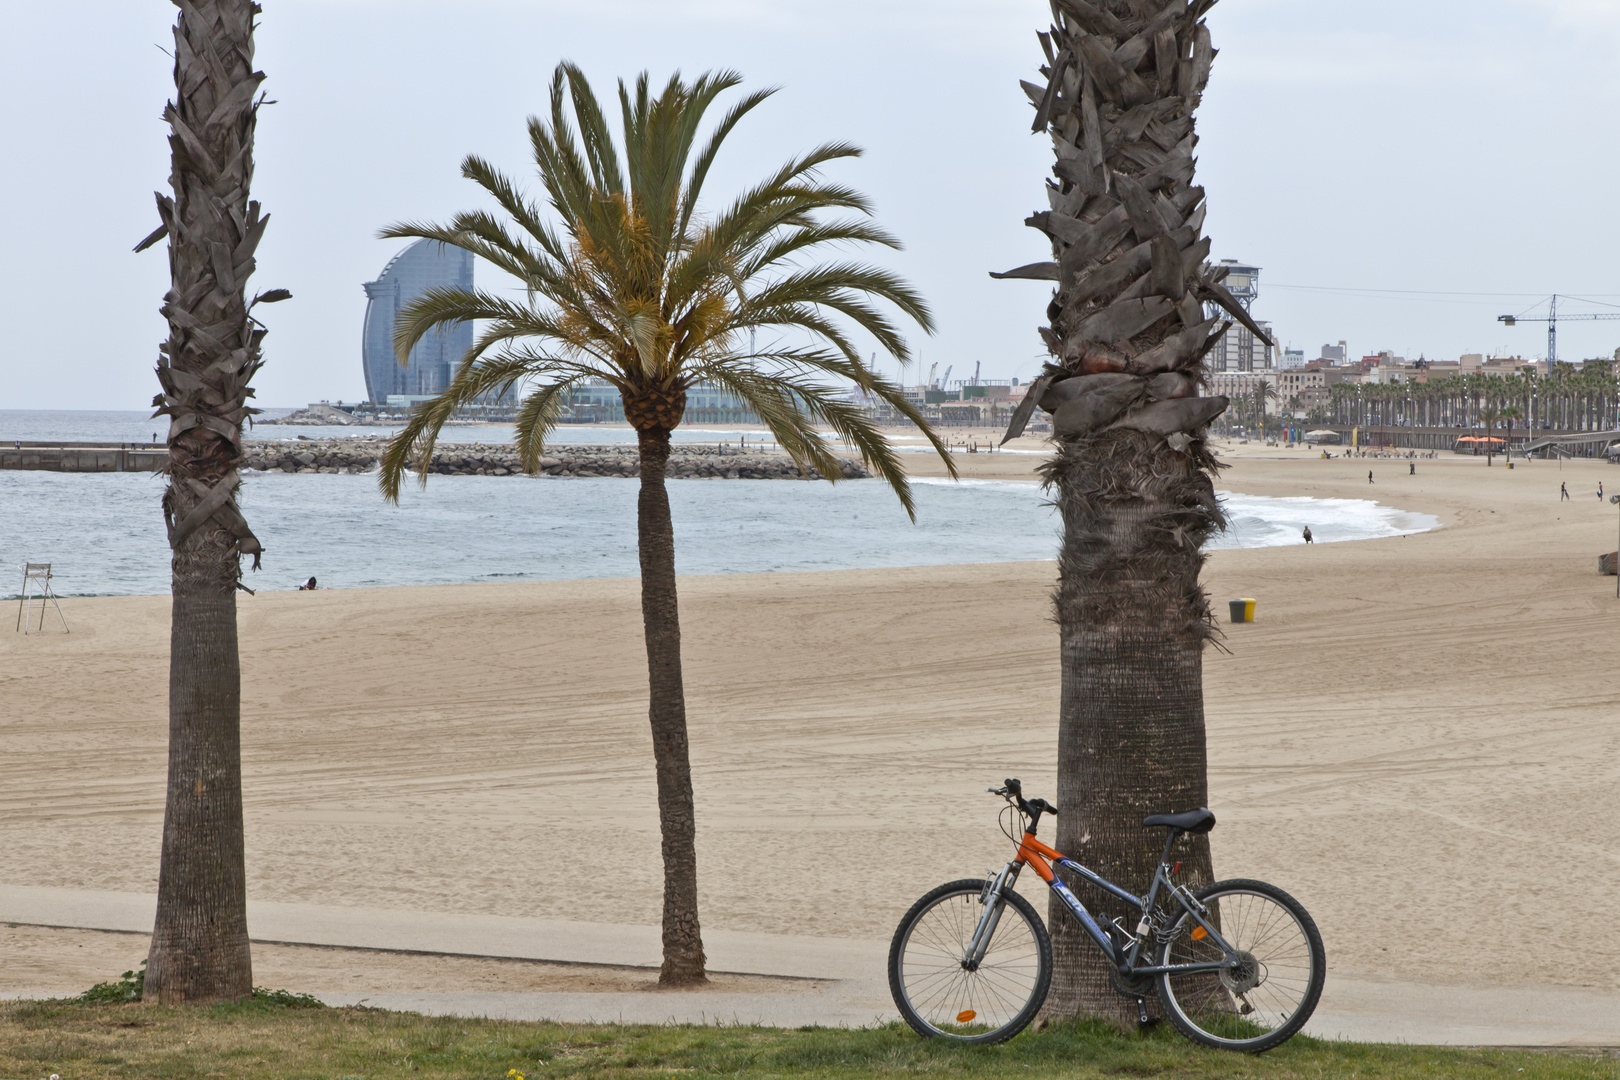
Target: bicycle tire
{"points": [[934, 992], [1285, 954]]}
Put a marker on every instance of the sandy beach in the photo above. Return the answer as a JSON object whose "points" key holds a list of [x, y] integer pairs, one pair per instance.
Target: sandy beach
{"points": [[1418, 737]]}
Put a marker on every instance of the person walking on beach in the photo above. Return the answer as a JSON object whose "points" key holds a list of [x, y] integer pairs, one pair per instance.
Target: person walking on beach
{"points": [[1308, 534], [1411, 468], [1369, 476], [1563, 493]]}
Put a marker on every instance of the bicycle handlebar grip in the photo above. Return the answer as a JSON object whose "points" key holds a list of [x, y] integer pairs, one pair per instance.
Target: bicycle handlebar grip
{"points": [[1014, 787]]}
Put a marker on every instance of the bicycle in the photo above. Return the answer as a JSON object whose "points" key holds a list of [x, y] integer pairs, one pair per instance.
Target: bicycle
{"points": [[1237, 965]]}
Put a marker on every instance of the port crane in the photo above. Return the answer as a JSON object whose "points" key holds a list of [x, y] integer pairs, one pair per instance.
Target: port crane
{"points": [[1551, 319]]}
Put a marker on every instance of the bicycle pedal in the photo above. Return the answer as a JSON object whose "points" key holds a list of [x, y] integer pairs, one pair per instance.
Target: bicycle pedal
{"points": [[1143, 1020]]}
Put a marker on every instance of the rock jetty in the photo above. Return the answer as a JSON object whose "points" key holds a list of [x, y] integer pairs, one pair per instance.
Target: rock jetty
{"points": [[318, 414], [686, 460]]}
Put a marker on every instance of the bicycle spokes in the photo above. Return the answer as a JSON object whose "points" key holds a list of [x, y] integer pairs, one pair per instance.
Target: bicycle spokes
{"points": [[1267, 977], [940, 987]]}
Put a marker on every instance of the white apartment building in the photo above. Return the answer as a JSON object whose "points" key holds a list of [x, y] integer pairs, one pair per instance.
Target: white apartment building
{"points": [[1238, 384], [1240, 350]]}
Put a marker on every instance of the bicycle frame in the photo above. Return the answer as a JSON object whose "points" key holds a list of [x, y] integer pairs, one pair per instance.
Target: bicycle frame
{"points": [[1032, 852]]}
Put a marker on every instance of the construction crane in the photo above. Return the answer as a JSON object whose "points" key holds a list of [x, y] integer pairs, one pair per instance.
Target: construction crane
{"points": [[1551, 319]]}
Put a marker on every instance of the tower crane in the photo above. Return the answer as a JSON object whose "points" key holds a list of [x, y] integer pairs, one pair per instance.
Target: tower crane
{"points": [[1551, 319]]}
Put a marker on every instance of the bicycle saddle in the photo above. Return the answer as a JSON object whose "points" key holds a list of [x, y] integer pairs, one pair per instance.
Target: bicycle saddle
{"points": [[1193, 821]]}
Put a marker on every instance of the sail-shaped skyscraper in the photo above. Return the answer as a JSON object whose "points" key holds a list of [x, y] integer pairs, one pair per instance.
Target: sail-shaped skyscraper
{"points": [[424, 265]]}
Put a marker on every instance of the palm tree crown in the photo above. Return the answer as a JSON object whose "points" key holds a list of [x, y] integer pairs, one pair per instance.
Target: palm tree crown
{"points": [[635, 286]]}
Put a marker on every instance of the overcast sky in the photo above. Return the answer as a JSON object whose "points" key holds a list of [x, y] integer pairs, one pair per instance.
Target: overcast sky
{"points": [[1404, 172]]}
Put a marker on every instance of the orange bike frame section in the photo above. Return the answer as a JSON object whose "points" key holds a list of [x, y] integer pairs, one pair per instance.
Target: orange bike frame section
{"points": [[1035, 853]]}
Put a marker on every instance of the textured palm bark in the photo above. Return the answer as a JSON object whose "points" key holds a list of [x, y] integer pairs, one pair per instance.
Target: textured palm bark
{"points": [[1133, 622], [199, 949], [666, 710], [1129, 327]]}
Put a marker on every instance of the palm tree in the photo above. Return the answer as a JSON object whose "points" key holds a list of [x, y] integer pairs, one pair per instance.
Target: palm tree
{"points": [[635, 286], [199, 950], [1509, 414], [1488, 416], [1264, 391], [1128, 333]]}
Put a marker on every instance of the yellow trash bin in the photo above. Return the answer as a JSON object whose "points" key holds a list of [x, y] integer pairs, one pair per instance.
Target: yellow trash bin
{"points": [[1242, 610]]}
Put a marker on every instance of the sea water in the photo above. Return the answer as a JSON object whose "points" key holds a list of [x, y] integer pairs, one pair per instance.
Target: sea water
{"points": [[104, 531]]}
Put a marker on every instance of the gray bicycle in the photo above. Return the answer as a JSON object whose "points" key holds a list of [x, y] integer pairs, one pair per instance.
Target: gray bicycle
{"points": [[1236, 965]]}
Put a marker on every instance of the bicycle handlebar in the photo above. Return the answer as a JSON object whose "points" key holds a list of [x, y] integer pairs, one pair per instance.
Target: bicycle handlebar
{"points": [[1013, 792]]}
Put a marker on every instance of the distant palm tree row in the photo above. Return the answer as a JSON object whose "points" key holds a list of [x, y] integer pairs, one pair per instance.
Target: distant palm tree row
{"points": [[1570, 399]]}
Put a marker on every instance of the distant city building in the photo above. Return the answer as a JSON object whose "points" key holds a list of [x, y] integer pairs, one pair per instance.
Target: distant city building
{"points": [[1239, 349], [1236, 384], [1300, 390], [1241, 281], [706, 403], [1335, 353], [426, 264], [1291, 358]]}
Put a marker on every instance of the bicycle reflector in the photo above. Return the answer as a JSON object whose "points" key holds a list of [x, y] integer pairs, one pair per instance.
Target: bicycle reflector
{"points": [[1199, 933], [965, 1015]]}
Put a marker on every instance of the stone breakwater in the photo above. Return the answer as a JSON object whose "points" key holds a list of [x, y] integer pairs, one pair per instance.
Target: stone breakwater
{"points": [[686, 460]]}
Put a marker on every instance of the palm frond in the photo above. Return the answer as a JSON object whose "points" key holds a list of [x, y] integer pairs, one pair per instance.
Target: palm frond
{"points": [[706, 156], [474, 382], [593, 132], [508, 197], [447, 306], [538, 417], [772, 398]]}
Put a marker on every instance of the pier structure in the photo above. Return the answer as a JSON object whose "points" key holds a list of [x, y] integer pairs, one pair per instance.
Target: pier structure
{"points": [[1569, 442], [83, 456]]}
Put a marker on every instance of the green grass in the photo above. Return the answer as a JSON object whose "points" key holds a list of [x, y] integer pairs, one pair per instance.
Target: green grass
{"points": [[265, 1038]]}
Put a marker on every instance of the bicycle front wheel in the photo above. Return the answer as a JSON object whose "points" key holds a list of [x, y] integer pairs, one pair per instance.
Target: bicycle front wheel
{"points": [[1272, 988], [941, 993]]}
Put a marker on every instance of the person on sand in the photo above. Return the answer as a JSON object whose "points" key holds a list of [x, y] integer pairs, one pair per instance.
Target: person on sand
{"points": [[1369, 476], [1412, 468], [1600, 491], [308, 586], [1308, 539], [1563, 492]]}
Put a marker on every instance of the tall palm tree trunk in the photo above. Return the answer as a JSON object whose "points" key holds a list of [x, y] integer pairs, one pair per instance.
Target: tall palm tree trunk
{"points": [[666, 709], [199, 949], [1133, 622], [1128, 334]]}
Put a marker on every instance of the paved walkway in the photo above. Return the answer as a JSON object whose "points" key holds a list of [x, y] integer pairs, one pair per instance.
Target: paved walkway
{"points": [[1353, 1006]]}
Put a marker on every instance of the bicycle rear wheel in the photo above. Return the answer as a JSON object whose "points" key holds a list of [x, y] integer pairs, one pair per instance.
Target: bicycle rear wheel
{"points": [[932, 985], [1268, 997]]}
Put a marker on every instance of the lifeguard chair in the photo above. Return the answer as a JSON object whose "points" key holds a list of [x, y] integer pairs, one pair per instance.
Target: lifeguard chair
{"points": [[37, 586]]}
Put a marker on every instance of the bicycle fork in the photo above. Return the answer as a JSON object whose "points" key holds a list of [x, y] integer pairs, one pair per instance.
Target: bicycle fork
{"points": [[993, 902]]}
